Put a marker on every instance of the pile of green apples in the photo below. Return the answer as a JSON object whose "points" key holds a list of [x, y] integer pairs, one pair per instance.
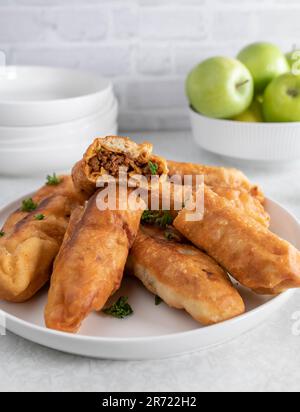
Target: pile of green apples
{"points": [[261, 85]]}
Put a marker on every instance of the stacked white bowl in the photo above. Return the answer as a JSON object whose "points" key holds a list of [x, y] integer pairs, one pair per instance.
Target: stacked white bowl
{"points": [[49, 116]]}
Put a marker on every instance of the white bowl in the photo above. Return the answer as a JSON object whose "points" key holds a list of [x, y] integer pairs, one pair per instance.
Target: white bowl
{"points": [[39, 96], [60, 157], [52, 136], [248, 141]]}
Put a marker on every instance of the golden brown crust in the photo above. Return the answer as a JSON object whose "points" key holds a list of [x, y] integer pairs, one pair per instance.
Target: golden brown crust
{"points": [[28, 250], [173, 196], [81, 182], [247, 203], [256, 257], [65, 188], [90, 265], [184, 277], [133, 155], [216, 177]]}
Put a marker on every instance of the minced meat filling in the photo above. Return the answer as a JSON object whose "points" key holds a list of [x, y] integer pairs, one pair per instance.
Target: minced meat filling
{"points": [[112, 162]]}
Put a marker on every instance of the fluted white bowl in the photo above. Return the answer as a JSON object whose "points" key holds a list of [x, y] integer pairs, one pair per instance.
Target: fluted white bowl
{"points": [[270, 142]]}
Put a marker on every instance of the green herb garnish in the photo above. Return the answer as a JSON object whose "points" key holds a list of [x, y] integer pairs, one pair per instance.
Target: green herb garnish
{"points": [[120, 310], [53, 180], [158, 218], [28, 205], [153, 168], [158, 300], [39, 217], [2, 233]]}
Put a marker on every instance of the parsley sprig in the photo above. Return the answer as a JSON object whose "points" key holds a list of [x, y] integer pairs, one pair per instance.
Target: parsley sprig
{"points": [[153, 168], [28, 205], [157, 218], [39, 217], [53, 180], [2, 233], [121, 309]]}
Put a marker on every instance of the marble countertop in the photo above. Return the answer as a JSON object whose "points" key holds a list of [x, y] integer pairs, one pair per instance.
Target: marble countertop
{"points": [[264, 359]]}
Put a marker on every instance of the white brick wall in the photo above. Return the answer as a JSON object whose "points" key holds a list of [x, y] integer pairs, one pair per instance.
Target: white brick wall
{"points": [[146, 46]]}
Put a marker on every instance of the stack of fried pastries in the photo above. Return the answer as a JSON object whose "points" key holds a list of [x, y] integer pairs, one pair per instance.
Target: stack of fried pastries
{"points": [[64, 236]]}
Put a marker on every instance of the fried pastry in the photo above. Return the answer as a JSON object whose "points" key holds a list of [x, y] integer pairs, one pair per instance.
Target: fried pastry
{"points": [[28, 248], [168, 196], [64, 186], [183, 276], [90, 265], [248, 204], [106, 157], [252, 254], [216, 177]]}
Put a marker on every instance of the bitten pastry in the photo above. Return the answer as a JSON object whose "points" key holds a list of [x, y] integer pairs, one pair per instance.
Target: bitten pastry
{"points": [[61, 185], [183, 276], [106, 157], [90, 265], [28, 249], [216, 177], [253, 255]]}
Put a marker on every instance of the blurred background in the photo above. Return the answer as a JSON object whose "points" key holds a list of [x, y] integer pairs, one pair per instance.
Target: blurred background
{"points": [[146, 46]]}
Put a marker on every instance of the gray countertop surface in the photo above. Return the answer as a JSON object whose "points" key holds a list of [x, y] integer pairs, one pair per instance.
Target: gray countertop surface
{"points": [[265, 359]]}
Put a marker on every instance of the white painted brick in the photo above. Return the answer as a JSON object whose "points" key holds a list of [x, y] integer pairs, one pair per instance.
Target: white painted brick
{"points": [[50, 3], [7, 2], [233, 25], [79, 24], [105, 60], [21, 25], [156, 94], [287, 23], [171, 2], [172, 23], [147, 46], [154, 60], [125, 21]]}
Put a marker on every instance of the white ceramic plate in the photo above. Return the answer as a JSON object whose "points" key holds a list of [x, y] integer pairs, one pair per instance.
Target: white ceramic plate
{"points": [[267, 142], [153, 331], [39, 96]]}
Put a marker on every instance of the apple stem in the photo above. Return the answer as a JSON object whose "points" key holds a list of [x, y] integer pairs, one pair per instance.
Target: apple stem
{"points": [[241, 84]]}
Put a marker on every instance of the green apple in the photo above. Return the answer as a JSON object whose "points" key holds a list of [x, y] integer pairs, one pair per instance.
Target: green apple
{"points": [[265, 62], [220, 87], [253, 114], [282, 99]]}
